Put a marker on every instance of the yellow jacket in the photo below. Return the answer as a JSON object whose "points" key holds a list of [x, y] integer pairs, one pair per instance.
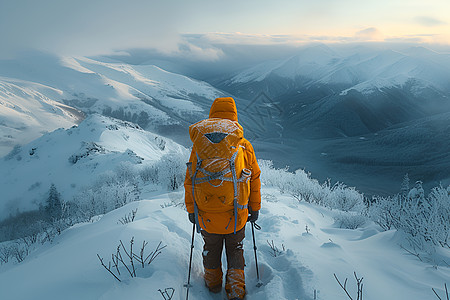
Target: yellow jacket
{"points": [[221, 222]]}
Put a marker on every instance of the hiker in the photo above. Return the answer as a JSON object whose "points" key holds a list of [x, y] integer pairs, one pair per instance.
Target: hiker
{"points": [[226, 193]]}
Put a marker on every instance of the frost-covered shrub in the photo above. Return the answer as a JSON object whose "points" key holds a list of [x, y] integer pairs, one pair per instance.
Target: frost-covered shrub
{"points": [[19, 251], [5, 253], [426, 223], [345, 198], [439, 216], [384, 211], [349, 220], [108, 193], [125, 171], [149, 174], [171, 170], [299, 184], [122, 185], [304, 188]]}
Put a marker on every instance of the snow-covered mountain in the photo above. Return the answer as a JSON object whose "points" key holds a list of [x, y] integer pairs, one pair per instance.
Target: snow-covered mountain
{"points": [[74, 158], [370, 89], [364, 70], [331, 102], [146, 95]]}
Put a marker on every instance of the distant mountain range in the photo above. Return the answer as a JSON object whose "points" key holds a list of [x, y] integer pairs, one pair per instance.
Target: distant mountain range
{"points": [[339, 107], [360, 115], [362, 69], [371, 90]]}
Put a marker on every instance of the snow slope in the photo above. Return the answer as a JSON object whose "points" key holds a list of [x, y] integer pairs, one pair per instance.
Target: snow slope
{"points": [[27, 111], [74, 158], [146, 95], [69, 268]]}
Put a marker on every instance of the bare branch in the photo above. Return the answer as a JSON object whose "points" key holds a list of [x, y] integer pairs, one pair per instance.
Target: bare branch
{"points": [[123, 263], [412, 253], [344, 287], [108, 269], [275, 251], [119, 259], [131, 256], [166, 294], [124, 249], [155, 253], [359, 285]]}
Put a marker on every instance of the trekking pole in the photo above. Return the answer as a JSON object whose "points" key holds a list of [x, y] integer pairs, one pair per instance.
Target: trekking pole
{"points": [[188, 285], [254, 225]]}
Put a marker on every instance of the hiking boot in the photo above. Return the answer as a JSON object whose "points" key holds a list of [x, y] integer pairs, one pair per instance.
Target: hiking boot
{"points": [[213, 279], [214, 289], [235, 284]]}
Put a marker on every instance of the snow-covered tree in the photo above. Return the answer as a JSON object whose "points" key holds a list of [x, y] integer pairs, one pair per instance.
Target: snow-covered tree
{"points": [[53, 205], [416, 194], [405, 186]]}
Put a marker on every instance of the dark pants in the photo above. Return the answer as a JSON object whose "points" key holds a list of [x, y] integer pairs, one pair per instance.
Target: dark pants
{"points": [[212, 250]]}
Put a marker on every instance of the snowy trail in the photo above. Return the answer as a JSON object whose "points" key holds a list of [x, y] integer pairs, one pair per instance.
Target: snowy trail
{"points": [[281, 275], [69, 268]]}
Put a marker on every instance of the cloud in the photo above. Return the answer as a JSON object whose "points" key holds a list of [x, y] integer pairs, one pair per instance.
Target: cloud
{"points": [[85, 27], [428, 21], [194, 52], [369, 34], [218, 38]]}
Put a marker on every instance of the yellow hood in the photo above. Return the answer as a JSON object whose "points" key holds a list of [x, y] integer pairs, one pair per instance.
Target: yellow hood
{"points": [[224, 108]]}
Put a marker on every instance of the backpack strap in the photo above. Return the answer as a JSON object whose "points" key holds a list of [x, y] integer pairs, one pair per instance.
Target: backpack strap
{"points": [[199, 163], [235, 182], [212, 176]]}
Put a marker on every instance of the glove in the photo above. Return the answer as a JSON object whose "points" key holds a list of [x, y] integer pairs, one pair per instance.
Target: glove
{"points": [[192, 217], [253, 216]]}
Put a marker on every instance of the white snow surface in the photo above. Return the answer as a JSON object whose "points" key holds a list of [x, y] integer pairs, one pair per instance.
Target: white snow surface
{"points": [[69, 268], [27, 175]]}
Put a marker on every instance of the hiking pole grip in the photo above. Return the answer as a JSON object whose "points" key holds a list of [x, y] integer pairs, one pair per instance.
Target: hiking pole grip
{"points": [[190, 262]]}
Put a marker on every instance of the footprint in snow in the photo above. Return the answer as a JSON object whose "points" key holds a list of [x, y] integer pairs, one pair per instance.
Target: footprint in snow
{"points": [[281, 276]]}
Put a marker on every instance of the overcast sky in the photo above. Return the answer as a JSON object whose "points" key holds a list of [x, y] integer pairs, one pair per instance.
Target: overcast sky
{"points": [[88, 27]]}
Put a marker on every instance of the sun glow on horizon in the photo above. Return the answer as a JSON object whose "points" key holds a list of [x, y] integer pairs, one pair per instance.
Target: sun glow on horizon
{"points": [[108, 26]]}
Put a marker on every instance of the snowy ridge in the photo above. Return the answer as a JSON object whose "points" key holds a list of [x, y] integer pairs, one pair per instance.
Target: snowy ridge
{"points": [[152, 82], [361, 69], [144, 94], [26, 112], [307, 262], [73, 159], [256, 73]]}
